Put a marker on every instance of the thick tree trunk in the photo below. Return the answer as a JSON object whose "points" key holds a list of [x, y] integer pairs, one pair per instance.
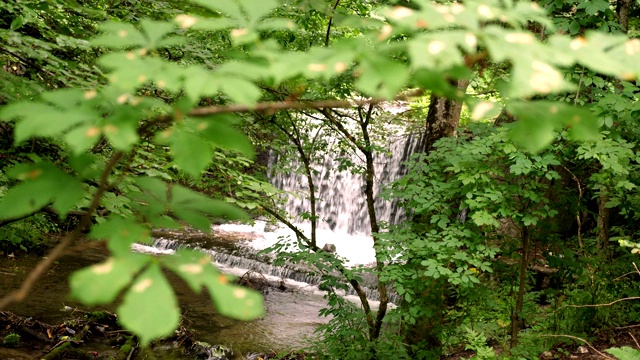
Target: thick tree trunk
{"points": [[443, 118], [622, 10]]}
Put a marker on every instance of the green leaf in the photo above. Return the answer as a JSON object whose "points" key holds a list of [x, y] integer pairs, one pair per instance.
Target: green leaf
{"points": [[149, 308], [190, 153], [382, 77], [484, 218], [624, 353], [39, 119], [234, 301], [217, 130], [538, 122], [195, 208], [230, 300], [17, 23], [240, 91], [192, 266], [118, 34], [215, 24], [101, 283], [121, 233], [583, 126], [199, 82], [24, 199], [438, 51], [534, 134], [155, 30], [257, 9], [67, 99], [43, 184], [228, 7], [82, 138], [121, 128]]}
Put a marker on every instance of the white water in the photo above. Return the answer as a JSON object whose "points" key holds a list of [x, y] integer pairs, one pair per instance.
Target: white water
{"points": [[239, 266], [357, 249], [341, 204]]}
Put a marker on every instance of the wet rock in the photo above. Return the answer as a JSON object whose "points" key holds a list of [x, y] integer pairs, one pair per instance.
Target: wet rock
{"points": [[329, 248], [206, 351]]}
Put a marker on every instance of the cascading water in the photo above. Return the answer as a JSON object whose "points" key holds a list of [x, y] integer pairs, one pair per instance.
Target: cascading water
{"points": [[240, 259], [341, 203]]}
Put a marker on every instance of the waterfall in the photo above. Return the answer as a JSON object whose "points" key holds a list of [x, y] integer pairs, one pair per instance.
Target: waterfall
{"points": [[341, 204]]}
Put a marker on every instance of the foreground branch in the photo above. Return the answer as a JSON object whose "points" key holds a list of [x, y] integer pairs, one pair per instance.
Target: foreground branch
{"points": [[298, 104], [85, 221]]}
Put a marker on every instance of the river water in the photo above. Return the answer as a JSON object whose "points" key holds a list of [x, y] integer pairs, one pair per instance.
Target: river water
{"points": [[292, 315]]}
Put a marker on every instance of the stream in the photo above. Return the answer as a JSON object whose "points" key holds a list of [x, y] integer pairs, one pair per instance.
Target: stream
{"points": [[292, 314]]}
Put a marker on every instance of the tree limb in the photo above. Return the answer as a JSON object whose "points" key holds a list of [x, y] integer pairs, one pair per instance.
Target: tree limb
{"points": [[333, 12]]}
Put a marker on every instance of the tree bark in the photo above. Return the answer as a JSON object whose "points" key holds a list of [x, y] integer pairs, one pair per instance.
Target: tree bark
{"points": [[603, 222], [367, 150], [622, 10], [524, 263], [442, 118]]}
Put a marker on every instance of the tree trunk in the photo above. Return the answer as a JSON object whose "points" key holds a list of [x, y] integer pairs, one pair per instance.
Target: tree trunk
{"points": [[622, 10], [522, 281], [442, 118], [603, 222]]}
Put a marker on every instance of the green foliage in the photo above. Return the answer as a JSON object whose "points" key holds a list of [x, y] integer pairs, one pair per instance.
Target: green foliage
{"points": [[478, 343], [11, 340], [624, 353], [126, 114]]}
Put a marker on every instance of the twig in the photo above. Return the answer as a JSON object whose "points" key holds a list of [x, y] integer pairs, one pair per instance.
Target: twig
{"points": [[34, 275], [27, 61], [636, 266], [580, 192], [116, 332], [607, 304], [621, 276], [584, 341], [634, 339], [627, 327], [131, 352]]}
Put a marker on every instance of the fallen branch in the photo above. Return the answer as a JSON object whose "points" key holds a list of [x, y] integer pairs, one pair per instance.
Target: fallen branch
{"points": [[584, 341], [607, 304]]}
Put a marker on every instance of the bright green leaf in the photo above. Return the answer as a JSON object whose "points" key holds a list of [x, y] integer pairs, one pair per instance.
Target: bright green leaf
{"points": [[190, 152], [101, 283], [120, 233], [149, 308]]}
